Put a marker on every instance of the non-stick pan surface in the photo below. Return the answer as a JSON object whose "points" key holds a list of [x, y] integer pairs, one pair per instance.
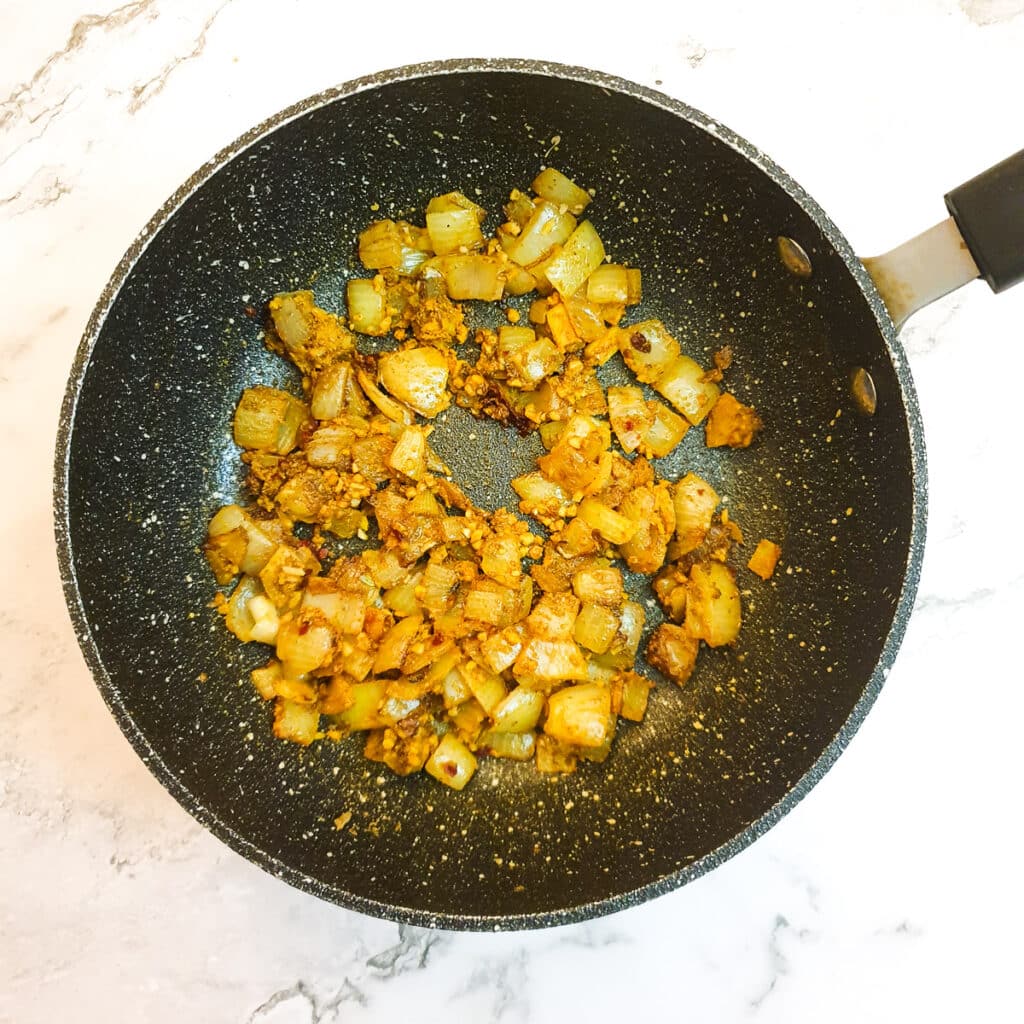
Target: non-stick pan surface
{"points": [[145, 455]]}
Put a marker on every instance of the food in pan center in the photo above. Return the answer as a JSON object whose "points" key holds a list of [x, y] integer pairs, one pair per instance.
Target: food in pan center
{"points": [[458, 632]]}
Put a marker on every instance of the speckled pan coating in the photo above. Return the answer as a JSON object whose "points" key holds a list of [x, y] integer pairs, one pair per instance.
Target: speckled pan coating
{"points": [[144, 456]]}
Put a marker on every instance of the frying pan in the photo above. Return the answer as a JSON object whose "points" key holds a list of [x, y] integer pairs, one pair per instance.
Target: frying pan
{"points": [[144, 456]]}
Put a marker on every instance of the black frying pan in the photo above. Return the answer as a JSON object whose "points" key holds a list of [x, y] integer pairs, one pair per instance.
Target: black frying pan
{"points": [[145, 455]]}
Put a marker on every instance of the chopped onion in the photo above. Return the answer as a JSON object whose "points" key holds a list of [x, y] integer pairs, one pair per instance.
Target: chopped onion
{"points": [[452, 763], [418, 377], [581, 255]]}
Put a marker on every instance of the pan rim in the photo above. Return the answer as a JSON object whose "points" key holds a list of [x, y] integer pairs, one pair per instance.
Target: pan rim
{"points": [[412, 915]]}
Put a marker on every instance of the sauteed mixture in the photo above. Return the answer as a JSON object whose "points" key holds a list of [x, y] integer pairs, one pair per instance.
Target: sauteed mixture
{"points": [[459, 632]]}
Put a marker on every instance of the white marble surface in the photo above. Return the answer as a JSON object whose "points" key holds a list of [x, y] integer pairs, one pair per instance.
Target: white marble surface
{"points": [[893, 892]]}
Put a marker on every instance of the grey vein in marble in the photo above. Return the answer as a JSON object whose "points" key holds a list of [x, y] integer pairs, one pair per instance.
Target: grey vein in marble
{"points": [[501, 985], [779, 961], [36, 90], [74, 84], [144, 92], [411, 952]]}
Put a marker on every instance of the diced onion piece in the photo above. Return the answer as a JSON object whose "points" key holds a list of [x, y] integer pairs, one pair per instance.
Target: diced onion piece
{"points": [[586, 316], [265, 620], [238, 618], [225, 552], [547, 228], [615, 528], [599, 585], [683, 384], [227, 547], [579, 461], [487, 687], [538, 495], [439, 669], [491, 603], [304, 643], [381, 246], [330, 445], [454, 231], [622, 652], [695, 501], [384, 566], [452, 763], [550, 432], [528, 359], [764, 559], [580, 715], [581, 255], [557, 188], [648, 349], [731, 423], [538, 311], [301, 497], [630, 417], [289, 315], [364, 711], [312, 337], [297, 688], [395, 643], [286, 572], [578, 539], [518, 280], [595, 628], [549, 661], [328, 399], [553, 616], [455, 201], [468, 719], [438, 584], [673, 650], [472, 276], [562, 328], [454, 690], [268, 419], [499, 559], [367, 307], [519, 711], [343, 609], [713, 611], [262, 539], [554, 756], [608, 283], [418, 377], [633, 691], [393, 709], [667, 429], [394, 410], [299, 723], [516, 746], [226, 519], [402, 599], [390, 245], [265, 677], [519, 208], [634, 290], [409, 456], [651, 509], [500, 650]]}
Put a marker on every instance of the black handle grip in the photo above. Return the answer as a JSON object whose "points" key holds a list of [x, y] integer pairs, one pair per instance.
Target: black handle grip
{"points": [[989, 211]]}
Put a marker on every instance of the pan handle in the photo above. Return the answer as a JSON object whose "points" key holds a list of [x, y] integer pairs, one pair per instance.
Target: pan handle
{"points": [[984, 237]]}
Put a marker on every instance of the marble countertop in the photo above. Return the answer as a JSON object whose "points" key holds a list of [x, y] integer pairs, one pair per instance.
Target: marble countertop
{"points": [[893, 891]]}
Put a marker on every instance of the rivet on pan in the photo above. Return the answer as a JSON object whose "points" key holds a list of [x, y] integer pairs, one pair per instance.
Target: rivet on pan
{"points": [[862, 389], [793, 257]]}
